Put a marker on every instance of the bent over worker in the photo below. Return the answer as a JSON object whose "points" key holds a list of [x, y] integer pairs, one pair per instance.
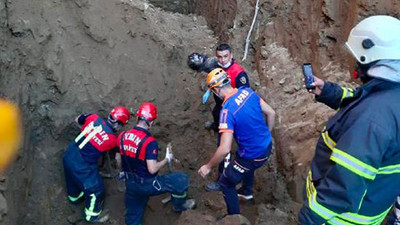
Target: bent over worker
{"points": [[80, 160], [238, 78], [138, 158], [242, 119], [355, 172]]}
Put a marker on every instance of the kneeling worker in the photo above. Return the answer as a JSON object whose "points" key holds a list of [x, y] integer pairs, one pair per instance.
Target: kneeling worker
{"points": [[80, 160], [138, 158]]}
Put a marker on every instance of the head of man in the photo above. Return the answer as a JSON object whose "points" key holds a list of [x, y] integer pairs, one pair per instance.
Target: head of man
{"points": [[147, 113], [224, 55], [374, 40], [218, 82], [118, 117]]}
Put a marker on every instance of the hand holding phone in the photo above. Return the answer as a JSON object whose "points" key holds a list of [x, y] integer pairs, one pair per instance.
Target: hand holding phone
{"points": [[308, 76]]}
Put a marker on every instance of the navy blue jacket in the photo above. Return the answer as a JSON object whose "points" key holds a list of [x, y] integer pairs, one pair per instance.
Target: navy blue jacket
{"points": [[355, 172]]}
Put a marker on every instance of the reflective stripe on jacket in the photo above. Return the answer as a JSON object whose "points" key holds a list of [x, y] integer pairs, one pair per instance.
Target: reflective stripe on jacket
{"points": [[355, 173]]}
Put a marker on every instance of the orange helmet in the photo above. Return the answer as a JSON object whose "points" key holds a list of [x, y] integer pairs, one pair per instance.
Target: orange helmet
{"points": [[217, 78], [120, 114]]}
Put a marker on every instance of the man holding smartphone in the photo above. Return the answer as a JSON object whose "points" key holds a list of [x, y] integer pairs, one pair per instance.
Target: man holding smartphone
{"points": [[355, 172]]}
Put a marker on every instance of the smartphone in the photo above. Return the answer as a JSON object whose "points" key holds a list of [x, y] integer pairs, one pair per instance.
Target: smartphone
{"points": [[308, 76]]}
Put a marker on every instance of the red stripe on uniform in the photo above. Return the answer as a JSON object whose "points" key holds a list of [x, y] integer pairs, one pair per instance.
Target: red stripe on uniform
{"points": [[142, 155]]}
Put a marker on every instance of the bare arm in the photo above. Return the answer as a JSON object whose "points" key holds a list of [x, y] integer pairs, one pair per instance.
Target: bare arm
{"points": [[118, 159], [154, 166], [223, 149], [267, 110]]}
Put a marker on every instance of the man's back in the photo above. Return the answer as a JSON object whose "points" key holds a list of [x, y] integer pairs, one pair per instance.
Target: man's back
{"points": [[242, 115]]}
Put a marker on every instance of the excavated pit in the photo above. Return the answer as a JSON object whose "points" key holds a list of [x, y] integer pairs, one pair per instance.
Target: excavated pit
{"points": [[62, 58]]}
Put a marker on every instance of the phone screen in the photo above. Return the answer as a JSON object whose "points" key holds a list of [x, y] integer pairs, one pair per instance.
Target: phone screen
{"points": [[308, 76]]}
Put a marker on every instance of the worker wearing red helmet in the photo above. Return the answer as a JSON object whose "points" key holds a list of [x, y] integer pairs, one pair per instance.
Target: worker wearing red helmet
{"points": [[80, 160], [138, 158]]}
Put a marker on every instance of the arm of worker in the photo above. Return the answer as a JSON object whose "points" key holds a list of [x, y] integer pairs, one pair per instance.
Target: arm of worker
{"points": [[267, 110], [151, 158], [330, 94], [356, 158], [118, 159], [223, 149], [80, 119], [242, 80]]}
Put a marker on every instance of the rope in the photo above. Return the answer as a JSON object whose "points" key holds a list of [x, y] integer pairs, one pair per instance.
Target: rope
{"points": [[251, 29]]}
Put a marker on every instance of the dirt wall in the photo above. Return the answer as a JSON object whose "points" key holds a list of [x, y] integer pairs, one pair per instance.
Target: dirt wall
{"points": [[61, 58]]}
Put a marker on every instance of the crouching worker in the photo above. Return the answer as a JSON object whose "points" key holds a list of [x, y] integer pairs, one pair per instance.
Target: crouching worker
{"points": [[138, 158], [80, 160]]}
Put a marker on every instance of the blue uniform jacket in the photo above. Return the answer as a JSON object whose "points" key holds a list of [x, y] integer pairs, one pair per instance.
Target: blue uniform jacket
{"points": [[355, 172]]}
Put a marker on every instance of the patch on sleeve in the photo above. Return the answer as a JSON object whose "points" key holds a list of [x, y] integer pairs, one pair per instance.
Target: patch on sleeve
{"points": [[243, 80], [223, 126], [155, 152]]}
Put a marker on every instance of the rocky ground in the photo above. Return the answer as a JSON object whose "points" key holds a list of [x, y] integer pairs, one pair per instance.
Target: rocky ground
{"points": [[60, 58]]}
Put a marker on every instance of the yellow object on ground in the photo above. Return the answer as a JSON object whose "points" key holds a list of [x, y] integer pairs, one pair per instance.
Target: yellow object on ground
{"points": [[10, 132]]}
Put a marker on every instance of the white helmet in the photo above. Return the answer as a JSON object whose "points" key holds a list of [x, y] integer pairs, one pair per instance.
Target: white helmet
{"points": [[375, 38]]}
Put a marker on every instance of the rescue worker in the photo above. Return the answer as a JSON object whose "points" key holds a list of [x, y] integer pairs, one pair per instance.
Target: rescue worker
{"points": [[80, 160], [355, 172], [238, 79], [242, 119], [138, 152]]}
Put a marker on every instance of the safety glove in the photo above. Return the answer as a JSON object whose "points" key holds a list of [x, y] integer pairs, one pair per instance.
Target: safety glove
{"points": [[168, 153]]}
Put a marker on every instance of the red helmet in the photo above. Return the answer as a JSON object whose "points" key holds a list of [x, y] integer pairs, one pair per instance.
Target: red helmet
{"points": [[120, 114], [147, 111]]}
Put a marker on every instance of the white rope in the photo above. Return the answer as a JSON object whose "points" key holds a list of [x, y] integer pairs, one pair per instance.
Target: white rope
{"points": [[251, 29]]}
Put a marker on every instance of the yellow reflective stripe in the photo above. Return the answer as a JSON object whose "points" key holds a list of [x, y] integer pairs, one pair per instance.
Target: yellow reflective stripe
{"points": [[312, 201], [367, 220], [389, 169], [347, 92], [74, 199], [90, 212], [353, 164], [180, 196], [344, 93], [335, 218], [328, 140], [347, 161], [351, 92]]}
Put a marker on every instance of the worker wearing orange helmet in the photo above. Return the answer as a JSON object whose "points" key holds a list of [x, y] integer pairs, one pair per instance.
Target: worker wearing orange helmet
{"points": [[138, 152], [80, 160], [241, 119]]}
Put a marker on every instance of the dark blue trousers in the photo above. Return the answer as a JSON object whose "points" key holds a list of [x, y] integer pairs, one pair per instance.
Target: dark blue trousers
{"points": [[138, 191], [239, 170], [83, 181]]}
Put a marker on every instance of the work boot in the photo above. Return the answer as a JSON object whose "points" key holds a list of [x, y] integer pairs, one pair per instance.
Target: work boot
{"points": [[102, 218], [213, 186], [189, 204], [243, 196]]}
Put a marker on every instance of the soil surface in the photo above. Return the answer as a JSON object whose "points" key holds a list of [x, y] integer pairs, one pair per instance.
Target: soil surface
{"points": [[60, 58]]}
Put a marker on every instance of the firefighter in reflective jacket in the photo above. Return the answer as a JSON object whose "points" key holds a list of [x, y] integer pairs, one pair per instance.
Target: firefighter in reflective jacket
{"points": [[355, 172], [138, 158], [80, 160]]}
